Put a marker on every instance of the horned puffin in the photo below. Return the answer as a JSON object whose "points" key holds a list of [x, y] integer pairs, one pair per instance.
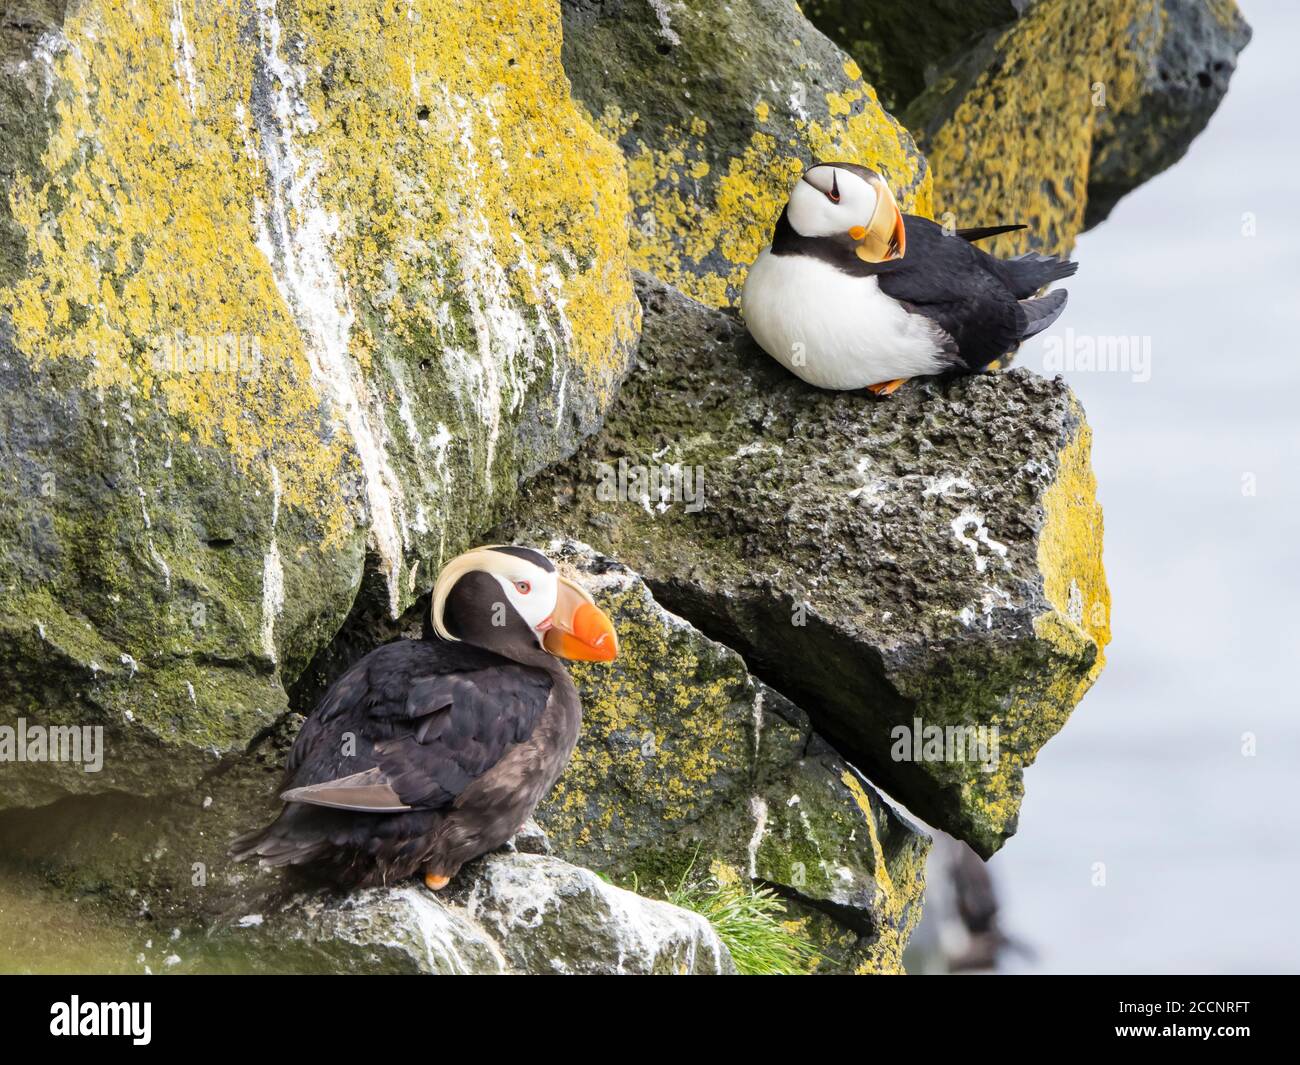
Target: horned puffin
{"points": [[427, 753], [852, 293]]}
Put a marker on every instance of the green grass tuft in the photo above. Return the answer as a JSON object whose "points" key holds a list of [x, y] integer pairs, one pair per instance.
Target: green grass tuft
{"points": [[751, 922]]}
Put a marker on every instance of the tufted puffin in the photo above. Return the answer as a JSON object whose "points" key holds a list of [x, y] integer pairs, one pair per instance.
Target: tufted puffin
{"points": [[427, 753], [852, 293]]}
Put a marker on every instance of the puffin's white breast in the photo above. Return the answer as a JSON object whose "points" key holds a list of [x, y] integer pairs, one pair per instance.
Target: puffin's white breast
{"points": [[832, 329]]}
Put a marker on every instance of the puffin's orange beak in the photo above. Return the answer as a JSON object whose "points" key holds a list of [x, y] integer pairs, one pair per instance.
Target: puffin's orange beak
{"points": [[884, 236], [898, 243], [579, 629]]}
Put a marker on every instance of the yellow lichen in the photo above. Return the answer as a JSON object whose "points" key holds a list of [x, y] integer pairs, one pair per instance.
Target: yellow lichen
{"points": [[899, 901], [441, 152], [659, 723], [143, 233], [1078, 626], [1070, 546], [702, 237], [450, 131], [1019, 145]]}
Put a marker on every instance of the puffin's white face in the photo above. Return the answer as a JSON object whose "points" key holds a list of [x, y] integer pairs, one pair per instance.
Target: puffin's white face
{"points": [[560, 613], [828, 201], [531, 590], [833, 200]]}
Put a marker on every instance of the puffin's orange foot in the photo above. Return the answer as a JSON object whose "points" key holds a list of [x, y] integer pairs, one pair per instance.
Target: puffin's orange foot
{"points": [[436, 883], [886, 388]]}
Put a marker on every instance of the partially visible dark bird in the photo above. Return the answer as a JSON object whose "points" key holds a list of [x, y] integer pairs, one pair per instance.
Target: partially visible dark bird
{"points": [[430, 752], [852, 293]]}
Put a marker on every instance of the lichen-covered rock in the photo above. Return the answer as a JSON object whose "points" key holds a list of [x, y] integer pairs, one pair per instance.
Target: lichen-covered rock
{"points": [[520, 913], [718, 107], [1053, 120], [932, 560], [283, 287], [688, 766], [856, 868], [1183, 75]]}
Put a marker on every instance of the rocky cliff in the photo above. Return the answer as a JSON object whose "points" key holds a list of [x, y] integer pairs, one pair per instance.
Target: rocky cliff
{"points": [[298, 300]]}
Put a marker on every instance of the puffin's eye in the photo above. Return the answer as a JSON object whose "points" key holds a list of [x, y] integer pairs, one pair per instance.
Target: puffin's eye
{"points": [[834, 194], [524, 587]]}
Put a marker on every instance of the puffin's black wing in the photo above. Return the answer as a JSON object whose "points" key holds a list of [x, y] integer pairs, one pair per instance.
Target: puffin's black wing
{"points": [[947, 281], [981, 302], [411, 725]]}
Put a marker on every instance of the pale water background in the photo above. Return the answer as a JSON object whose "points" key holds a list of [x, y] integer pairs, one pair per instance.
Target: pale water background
{"points": [[1201, 845]]}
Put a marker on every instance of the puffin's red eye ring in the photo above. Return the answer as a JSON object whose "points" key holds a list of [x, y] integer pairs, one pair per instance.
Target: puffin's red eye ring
{"points": [[834, 194], [524, 587]]}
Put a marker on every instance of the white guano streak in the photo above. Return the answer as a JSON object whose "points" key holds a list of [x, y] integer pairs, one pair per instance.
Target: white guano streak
{"points": [[757, 810], [496, 376], [272, 576], [295, 233], [184, 62], [972, 519]]}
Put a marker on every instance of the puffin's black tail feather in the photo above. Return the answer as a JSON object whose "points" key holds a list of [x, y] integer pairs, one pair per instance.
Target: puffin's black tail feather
{"points": [[1026, 274], [983, 232], [1042, 312], [277, 844]]}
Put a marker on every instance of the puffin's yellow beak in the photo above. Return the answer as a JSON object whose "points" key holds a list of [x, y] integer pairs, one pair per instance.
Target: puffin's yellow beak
{"points": [[884, 237], [578, 629]]}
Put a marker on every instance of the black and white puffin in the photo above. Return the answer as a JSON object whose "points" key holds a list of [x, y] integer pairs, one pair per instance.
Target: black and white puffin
{"points": [[430, 752], [852, 293]]}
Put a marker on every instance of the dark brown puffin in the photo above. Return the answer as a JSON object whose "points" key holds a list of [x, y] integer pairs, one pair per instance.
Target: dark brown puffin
{"points": [[430, 752]]}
